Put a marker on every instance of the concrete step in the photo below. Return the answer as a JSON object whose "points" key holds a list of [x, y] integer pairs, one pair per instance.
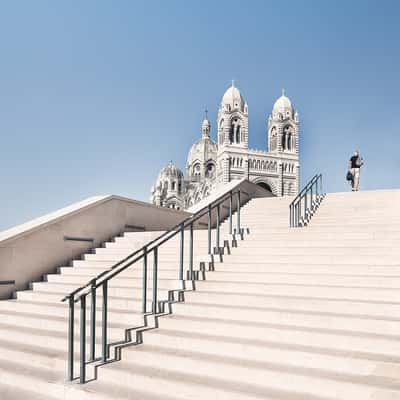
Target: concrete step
{"points": [[303, 360], [292, 303], [197, 376], [305, 279], [64, 288], [59, 311], [43, 383], [323, 337], [244, 315], [322, 291], [59, 323], [305, 269], [250, 257], [120, 302]]}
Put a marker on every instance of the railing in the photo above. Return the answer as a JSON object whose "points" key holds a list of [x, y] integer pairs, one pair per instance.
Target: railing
{"points": [[304, 206], [100, 282]]}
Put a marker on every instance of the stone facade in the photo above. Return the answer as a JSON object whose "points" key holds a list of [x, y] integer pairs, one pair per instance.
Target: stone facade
{"points": [[211, 165]]}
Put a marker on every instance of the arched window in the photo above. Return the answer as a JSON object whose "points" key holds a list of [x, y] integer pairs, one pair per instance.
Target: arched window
{"points": [[273, 139], [210, 169], [231, 135], [173, 186], [287, 138], [237, 133], [221, 131]]}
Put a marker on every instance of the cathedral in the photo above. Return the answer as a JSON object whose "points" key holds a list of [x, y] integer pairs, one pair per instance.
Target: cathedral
{"points": [[210, 165]]}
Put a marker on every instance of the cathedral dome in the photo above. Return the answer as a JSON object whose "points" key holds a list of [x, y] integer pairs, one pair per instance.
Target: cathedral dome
{"points": [[170, 171], [233, 98], [283, 106], [203, 150]]}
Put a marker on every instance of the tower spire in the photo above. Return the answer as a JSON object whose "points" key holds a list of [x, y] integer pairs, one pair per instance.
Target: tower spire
{"points": [[283, 92]]}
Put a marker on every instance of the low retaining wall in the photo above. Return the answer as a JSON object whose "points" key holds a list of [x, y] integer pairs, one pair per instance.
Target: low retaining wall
{"points": [[40, 246]]}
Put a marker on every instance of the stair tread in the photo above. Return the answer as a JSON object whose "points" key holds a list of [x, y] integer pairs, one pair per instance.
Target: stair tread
{"points": [[8, 392]]}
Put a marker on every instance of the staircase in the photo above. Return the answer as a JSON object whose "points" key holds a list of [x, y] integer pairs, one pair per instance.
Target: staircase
{"points": [[292, 313]]}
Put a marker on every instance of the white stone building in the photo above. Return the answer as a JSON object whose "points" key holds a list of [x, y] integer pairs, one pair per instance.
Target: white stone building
{"points": [[211, 165]]}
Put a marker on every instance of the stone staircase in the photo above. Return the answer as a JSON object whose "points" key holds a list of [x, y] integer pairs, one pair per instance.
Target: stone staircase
{"points": [[299, 314]]}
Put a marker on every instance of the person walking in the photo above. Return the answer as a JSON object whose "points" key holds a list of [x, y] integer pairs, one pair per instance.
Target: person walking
{"points": [[355, 164]]}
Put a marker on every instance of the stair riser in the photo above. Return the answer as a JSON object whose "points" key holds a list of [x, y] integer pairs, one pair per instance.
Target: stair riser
{"points": [[296, 358], [55, 343], [312, 304], [180, 389], [62, 326], [303, 290], [328, 338], [266, 380], [245, 250], [54, 389], [362, 281], [128, 303], [326, 321], [39, 311]]}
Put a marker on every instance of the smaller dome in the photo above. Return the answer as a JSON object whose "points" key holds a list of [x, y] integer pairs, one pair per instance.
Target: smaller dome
{"points": [[206, 123], [202, 150], [283, 106], [233, 98], [282, 103], [171, 170], [205, 128]]}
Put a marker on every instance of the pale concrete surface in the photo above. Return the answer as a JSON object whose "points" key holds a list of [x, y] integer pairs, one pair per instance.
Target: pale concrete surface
{"points": [[32, 249], [304, 313]]}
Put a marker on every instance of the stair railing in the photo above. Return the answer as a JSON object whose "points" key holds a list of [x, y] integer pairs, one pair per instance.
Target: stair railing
{"points": [[100, 282], [306, 203]]}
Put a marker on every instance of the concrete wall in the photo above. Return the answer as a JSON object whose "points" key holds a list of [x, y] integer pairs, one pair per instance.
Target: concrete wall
{"points": [[30, 250]]}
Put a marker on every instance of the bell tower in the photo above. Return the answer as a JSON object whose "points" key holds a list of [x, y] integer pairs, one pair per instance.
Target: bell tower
{"points": [[233, 120], [283, 127]]}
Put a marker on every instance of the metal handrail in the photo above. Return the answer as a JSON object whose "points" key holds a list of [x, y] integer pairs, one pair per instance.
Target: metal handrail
{"points": [[101, 281], [305, 204], [172, 232]]}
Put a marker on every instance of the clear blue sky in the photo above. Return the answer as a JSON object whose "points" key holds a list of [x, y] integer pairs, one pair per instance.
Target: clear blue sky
{"points": [[96, 96]]}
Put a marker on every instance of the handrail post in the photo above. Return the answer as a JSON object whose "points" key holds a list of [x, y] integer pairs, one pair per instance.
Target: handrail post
{"points": [[104, 352], [230, 212], [209, 229], [144, 283], [291, 215], [320, 185], [155, 268], [181, 251], [319, 192], [191, 252], [71, 323], [305, 204], [238, 212], [218, 228], [82, 355], [93, 321]]}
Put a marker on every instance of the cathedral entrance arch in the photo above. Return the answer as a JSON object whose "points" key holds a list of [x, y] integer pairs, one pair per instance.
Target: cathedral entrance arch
{"points": [[265, 183], [265, 186]]}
